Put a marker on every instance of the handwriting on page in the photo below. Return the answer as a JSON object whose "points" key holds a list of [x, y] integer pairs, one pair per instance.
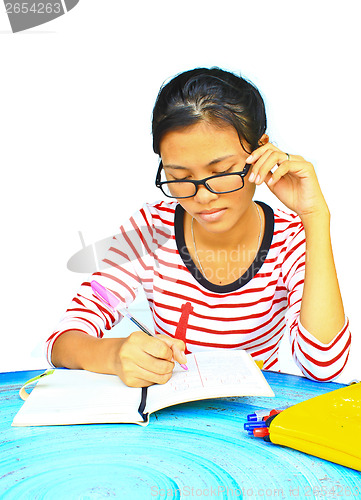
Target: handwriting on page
{"points": [[179, 384], [209, 375], [211, 379]]}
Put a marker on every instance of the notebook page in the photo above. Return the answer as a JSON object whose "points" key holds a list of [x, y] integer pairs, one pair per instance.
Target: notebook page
{"points": [[211, 374], [79, 397]]}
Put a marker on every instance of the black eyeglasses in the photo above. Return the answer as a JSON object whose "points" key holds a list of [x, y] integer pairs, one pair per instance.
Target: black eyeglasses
{"points": [[218, 184]]}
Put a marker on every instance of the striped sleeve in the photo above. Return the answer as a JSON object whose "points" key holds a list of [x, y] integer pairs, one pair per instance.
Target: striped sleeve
{"points": [[317, 361], [125, 267]]}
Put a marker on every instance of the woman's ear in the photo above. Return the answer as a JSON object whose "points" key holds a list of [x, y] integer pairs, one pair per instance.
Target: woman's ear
{"points": [[263, 140]]}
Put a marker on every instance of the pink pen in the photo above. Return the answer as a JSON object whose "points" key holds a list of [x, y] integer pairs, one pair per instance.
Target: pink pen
{"points": [[113, 302]]}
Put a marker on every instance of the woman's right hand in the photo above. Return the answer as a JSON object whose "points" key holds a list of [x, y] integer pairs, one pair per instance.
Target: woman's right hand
{"points": [[141, 360]]}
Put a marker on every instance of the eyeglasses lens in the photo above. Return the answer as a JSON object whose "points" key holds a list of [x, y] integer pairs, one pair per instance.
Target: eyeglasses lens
{"points": [[225, 183], [219, 184]]}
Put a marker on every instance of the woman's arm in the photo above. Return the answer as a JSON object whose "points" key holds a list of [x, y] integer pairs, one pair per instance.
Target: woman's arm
{"points": [[322, 312], [79, 342], [138, 360], [78, 350], [295, 184]]}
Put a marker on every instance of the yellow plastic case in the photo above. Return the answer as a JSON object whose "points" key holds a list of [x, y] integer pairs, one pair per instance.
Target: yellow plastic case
{"points": [[327, 426]]}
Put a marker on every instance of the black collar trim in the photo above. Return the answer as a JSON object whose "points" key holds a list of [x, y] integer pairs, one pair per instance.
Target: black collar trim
{"points": [[251, 271]]}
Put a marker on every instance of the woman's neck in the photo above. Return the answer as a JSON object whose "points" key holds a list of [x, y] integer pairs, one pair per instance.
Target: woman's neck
{"points": [[243, 234]]}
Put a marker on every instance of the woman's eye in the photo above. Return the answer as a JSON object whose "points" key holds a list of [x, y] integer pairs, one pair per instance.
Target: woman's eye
{"points": [[227, 171], [180, 180]]}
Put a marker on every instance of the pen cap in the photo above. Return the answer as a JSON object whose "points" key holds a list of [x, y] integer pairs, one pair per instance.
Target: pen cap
{"points": [[105, 295]]}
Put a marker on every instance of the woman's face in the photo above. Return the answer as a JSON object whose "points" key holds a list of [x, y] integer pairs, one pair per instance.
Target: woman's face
{"points": [[200, 151]]}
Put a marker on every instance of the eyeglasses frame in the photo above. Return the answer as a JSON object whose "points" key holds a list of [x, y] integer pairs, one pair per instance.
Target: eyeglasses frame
{"points": [[201, 182]]}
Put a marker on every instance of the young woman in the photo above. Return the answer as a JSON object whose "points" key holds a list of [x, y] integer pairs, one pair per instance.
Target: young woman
{"points": [[219, 270]]}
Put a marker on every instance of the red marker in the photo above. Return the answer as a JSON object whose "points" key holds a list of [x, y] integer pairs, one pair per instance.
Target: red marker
{"points": [[261, 432], [108, 298]]}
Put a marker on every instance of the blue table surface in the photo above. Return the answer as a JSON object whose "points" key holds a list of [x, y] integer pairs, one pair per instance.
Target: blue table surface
{"points": [[193, 450]]}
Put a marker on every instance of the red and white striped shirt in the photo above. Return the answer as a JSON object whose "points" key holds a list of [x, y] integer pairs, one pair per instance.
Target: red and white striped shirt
{"points": [[252, 313]]}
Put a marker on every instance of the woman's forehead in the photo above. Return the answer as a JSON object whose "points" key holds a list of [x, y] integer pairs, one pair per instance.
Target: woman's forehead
{"points": [[203, 142]]}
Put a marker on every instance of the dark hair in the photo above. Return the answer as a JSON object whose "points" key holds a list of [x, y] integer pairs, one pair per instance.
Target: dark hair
{"points": [[213, 95]]}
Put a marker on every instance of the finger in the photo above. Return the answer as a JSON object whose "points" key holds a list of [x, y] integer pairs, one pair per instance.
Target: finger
{"points": [[257, 165], [275, 159], [140, 377], [135, 359], [257, 153], [156, 347], [148, 352], [177, 346], [272, 178], [154, 364]]}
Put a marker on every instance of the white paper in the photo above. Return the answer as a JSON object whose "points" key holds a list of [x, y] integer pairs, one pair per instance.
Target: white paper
{"points": [[211, 374], [82, 397], [79, 397]]}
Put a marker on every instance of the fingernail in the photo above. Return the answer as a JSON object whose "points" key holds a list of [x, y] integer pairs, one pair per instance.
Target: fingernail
{"points": [[249, 159], [185, 367], [270, 181], [251, 177], [258, 180]]}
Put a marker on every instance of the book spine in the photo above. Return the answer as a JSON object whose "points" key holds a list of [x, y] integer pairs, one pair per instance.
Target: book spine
{"points": [[142, 405]]}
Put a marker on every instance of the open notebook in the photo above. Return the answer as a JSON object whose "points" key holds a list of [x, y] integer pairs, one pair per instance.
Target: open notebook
{"points": [[81, 397]]}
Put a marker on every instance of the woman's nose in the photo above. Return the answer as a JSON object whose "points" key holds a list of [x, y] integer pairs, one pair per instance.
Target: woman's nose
{"points": [[203, 195]]}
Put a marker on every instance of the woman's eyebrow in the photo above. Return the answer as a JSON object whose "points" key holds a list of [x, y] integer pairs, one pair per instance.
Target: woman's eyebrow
{"points": [[212, 162]]}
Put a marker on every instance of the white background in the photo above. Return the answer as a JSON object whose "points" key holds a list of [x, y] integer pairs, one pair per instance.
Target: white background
{"points": [[75, 143]]}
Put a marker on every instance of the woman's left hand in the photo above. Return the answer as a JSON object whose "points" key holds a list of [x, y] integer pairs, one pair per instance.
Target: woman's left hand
{"points": [[294, 181]]}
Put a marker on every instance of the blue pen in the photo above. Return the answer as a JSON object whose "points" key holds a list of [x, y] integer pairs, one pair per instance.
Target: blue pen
{"points": [[249, 426], [258, 415]]}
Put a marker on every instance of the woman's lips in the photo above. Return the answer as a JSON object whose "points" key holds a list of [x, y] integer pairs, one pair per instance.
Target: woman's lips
{"points": [[211, 215]]}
